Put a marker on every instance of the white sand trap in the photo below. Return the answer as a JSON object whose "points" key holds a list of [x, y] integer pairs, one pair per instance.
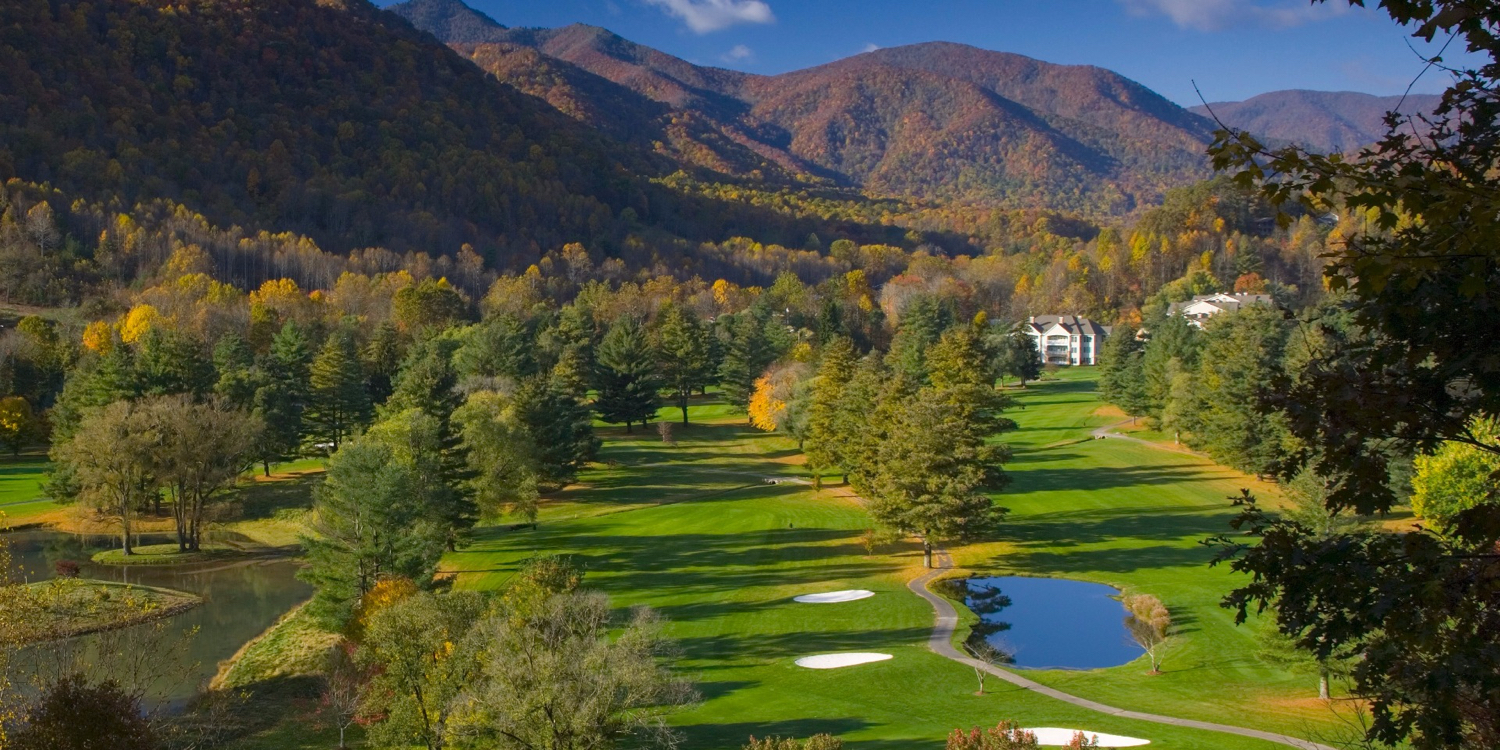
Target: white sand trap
{"points": [[834, 661], [835, 597], [1054, 737]]}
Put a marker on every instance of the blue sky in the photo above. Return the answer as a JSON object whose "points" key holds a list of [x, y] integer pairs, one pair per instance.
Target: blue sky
{"points": [[1233, 48]]}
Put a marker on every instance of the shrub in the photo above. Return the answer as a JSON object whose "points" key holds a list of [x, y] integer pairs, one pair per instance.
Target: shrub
{"points": [[66, 568]]}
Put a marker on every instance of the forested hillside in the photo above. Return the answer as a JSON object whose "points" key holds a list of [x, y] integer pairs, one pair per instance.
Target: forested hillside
{"points": [[319, 118], [941, 121], [1321, 120]]}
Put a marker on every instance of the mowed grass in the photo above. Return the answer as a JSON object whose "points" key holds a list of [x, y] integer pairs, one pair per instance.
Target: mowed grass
{"points": [[695, 531], [21, 498], [1133, 516]]}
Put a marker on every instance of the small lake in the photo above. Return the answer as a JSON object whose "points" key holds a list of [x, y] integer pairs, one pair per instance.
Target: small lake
{"points": [[240, 600], [1055, 623]]}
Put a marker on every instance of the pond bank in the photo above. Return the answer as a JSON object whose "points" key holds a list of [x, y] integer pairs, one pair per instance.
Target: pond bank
{"points": [[72, 607]]}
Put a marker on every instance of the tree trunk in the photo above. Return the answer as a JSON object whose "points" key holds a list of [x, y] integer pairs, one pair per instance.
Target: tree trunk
{"points": [[926, 553], [629, 428], [1323, 691], [266, 466], [683, 403]]}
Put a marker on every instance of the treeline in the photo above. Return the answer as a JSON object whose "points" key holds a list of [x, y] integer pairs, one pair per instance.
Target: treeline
{"points": [[1216, 388]]}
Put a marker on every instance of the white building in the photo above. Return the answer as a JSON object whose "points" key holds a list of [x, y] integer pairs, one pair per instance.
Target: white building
{"points": [[1067, 339], [1205, 306]]}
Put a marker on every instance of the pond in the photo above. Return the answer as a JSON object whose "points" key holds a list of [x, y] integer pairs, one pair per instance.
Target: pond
{"points": [[240, 600], [1054, 623]]}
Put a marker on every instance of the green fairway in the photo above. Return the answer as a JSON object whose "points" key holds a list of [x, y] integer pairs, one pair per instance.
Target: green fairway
{"points": [[21, 496], [1132, 516], [695, 530]]}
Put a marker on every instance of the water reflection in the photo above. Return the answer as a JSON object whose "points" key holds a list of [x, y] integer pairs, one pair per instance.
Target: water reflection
{"points": [[1052, 623], [240, 600]]}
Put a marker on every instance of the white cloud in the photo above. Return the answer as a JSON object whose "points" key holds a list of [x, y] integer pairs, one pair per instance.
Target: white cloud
{"points": [[704, 16], [871, 47], [740, 53], [1216, 15]]}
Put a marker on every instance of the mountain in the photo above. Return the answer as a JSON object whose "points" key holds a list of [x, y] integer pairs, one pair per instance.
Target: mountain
{"points": [[1325, 121], [941, 121], [329, 118]]}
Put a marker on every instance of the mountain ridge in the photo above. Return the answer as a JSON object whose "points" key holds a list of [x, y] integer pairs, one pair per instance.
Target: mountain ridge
{"points": [[937, 120], [1326, 121]]}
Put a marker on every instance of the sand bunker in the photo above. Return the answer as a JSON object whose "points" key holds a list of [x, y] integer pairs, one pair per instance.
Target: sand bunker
{"points": [[835, 597], [834, 661], [1054, 737]]}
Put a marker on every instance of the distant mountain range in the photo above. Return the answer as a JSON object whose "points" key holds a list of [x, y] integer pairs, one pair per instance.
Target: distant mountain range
{"points": [[941, 121], [1323, 120]]}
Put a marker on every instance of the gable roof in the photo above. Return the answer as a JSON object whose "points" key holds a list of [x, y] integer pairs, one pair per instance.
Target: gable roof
{"points": [[1073, 325]]}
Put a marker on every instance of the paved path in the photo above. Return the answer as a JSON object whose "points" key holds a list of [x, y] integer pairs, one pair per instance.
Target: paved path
{"points": [[941, 642], [1107, 431]]}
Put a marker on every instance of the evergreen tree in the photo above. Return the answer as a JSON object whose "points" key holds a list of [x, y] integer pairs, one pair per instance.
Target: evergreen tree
{"points": [[1122, 381], [1242, 354], [275, 405], [683, 352], [561, 428], [961, 368], [626, 376], [930, 470], [286, 366], [234, 365], [428, 382], [418, 440], [168, 362], [826, 445], [382, 358], [1173, 339], [922, 323], [500, 347], [746, 357], [1017, 355], [369, 524], [338, 404]]}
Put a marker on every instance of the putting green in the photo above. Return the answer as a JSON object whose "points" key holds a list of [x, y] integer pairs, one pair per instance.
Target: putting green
{"points": [[695, 531]]}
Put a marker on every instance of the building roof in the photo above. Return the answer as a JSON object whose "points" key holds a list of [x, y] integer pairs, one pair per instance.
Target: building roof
{"points": [[1073, 324], [1221, 301]]}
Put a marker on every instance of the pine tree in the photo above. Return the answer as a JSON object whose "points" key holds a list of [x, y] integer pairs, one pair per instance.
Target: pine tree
{"points": [[922, 323], [745, 358], [234, 366], [1232, 420], [382, 358], [683, 351], [500, 347], [428, 381], [930, 470], [168, 362], [826, 446], [626, 376], [369, 524], [1122, 380], [338, 404], [562, 429]]}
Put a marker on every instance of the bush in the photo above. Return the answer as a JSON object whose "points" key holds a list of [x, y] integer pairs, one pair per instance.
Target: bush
{"points": [[815, 742], [74, 713], [66, 568]]}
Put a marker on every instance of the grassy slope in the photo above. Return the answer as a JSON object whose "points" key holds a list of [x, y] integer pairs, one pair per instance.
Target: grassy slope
{"points": [[21, 497], [663, 527]]}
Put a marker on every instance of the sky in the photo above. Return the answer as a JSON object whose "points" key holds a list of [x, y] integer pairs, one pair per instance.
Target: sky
{"points": [[1233, 49]]}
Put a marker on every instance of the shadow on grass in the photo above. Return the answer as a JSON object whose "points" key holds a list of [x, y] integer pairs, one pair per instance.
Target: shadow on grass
{"points": [[761, 646]]}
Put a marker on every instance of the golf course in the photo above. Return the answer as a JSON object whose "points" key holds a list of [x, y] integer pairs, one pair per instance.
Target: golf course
{"points": [[720, 530]]}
